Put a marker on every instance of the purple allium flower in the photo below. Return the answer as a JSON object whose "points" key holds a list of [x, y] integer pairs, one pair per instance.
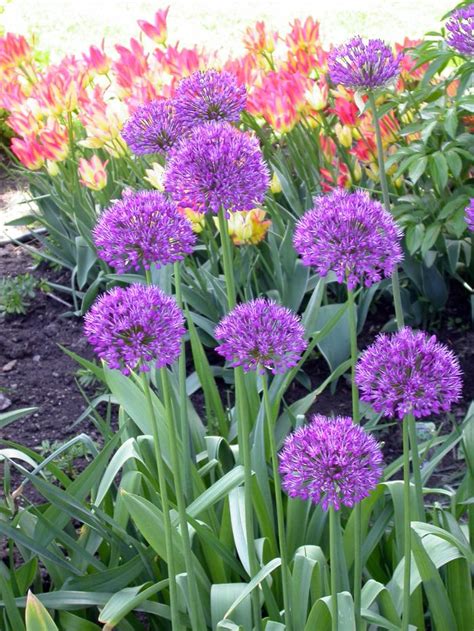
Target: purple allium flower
{"points": [[134, 327], [330, 461], [361, 65], [470, 215], [152, 128], [460, 27], [143, 229], [408, 372], [209, 96], [351, 235], [261, 334], [217, 166]]}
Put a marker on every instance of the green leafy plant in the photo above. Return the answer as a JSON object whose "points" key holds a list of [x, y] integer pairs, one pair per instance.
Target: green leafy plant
{"points": [[15, 292]]}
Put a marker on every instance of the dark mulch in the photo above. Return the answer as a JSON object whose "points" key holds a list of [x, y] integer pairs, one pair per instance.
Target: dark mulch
{"points": [[34, 371]]}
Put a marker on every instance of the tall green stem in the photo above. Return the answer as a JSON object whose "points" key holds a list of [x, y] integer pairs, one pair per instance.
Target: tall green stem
{"points": [[333, 524], [196, 614], [160, 465], [285, 569], [415, 459], [227, 260], [243, 429], [386, 199], [183, 398], [407, 526], [352, 311]]}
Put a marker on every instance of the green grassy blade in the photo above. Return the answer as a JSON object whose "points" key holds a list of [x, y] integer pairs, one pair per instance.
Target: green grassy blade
{"points": [[440, 607], [458, 585], [10, 605], [37, 618]]}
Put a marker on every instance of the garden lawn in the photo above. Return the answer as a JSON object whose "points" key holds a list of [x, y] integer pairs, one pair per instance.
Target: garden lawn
{"points": [[67, 26]]}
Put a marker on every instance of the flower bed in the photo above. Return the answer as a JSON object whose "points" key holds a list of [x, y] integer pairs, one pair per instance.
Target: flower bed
{"points": [[232, 216]]}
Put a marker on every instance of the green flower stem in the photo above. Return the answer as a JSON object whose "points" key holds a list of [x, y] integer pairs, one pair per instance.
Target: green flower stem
{"points": [[407, 526], [397, 300], [227, 260], [243, 429], [183, 398], [196, 614], [285, 569], [415, 459], [333, 524], [148, 277], [175, 623], [352, 310]]}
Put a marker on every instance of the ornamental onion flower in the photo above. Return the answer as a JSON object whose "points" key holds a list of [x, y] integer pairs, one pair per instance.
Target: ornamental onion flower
{"points": [[135, 327], [261, 334], [470, 215], [330, 461], [209, 96], [350, 235], [142, 229], [363, 65], [152, 128], [460, 30], [408, 372], [217, 166]]}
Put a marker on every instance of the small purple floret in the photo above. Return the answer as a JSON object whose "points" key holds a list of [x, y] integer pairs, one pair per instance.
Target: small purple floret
{"points": [[152, 128], [135, 327], [143, 229], [363, 65], [350, 235], [261, 334], [408, 372], [330, 461], [460, 30], [209, 96], [217, 166], [470, 215]]}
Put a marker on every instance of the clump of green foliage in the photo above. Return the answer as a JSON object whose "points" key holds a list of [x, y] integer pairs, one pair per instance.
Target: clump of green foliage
{"points": [[17, 291]]}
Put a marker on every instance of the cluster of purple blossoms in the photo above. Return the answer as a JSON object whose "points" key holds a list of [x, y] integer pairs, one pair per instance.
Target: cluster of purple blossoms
{"points": [[330, 461], [361, 65], [209, 96], [133, 328], [350, 235], [153, 128], [143, 229], [470, 215], [408, 372], [260, 335], [460, 30], [217, 166]]}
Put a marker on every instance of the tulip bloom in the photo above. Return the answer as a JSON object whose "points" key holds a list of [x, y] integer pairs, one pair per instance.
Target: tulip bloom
{"points": [[92, 173]]}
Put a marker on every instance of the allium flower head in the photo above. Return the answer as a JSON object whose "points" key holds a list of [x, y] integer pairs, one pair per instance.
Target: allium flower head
{"points": [[135, 327], [217, 166], [142, 229], [152, 128], [209, 96], [408, 372], [330, 461], [351, 235], [460, 30], [363, 65], [261, 334], [470, 215]]}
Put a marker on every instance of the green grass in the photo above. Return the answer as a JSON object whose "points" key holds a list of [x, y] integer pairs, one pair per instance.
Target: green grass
{"points": [[69, 26]]}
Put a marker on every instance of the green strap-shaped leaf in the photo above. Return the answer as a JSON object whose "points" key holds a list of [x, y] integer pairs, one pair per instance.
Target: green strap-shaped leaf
{"points": [[37, 617]]}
